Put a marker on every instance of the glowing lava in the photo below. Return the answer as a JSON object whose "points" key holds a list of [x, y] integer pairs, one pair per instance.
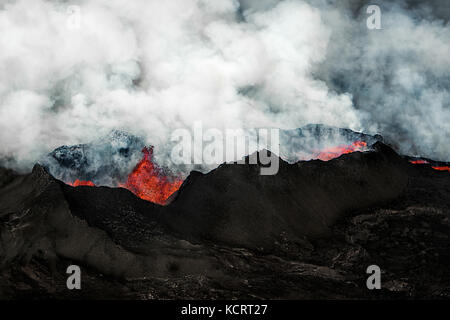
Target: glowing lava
{"points": [[440, 168], [334, 152], [147, 180], [444, 168], [419, 161], [150, 182], [78, 183]]}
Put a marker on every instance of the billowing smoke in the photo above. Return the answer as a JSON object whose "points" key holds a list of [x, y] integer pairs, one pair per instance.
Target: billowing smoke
{"points": [[72, 71], [399, 77]]}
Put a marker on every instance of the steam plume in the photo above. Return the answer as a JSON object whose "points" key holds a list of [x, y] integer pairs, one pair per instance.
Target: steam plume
{"points": [[148, 67]]}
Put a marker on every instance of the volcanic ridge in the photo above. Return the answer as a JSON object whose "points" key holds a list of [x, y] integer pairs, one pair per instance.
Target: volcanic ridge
{"points": [[310, 231]]}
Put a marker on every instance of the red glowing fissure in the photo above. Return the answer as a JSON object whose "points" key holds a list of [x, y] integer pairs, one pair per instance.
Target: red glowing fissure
{"points": [[78, 183], [440, 168], [334, 152], [444, 168]]}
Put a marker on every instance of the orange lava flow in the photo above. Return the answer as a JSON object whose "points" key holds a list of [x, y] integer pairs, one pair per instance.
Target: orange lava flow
{"points": [[150, 182], [440, 168], [334, 152], [78, 183], [444, 168]]}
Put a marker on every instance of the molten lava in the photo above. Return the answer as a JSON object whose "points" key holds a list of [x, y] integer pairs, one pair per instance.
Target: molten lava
{"points": [[419, 161], [150, 182], [440, 168], [334, 152], [78, 183], [444, 168], [147, 180]]}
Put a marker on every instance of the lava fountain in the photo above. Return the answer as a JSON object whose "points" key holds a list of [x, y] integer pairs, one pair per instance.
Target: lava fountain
{"points": [[151, 182], [148, 181]]}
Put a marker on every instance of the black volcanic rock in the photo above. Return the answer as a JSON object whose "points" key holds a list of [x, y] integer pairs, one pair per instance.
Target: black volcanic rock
{"points": [[308, 232], [37, 222], [6, 176], [109, 230], [116, 210], [234, 204]]}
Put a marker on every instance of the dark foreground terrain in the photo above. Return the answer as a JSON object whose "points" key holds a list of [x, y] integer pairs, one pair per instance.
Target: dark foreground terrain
{"points": [[308, 232]]}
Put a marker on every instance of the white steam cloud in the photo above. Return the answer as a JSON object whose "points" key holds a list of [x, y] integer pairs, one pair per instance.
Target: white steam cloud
{"points": [[149, 67]]}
